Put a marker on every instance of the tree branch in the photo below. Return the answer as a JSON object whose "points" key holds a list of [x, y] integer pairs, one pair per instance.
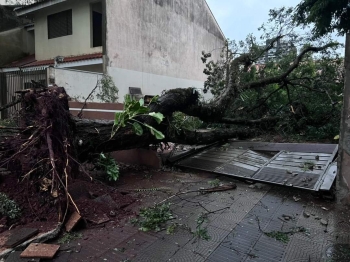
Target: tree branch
{"points": [[283, 76]]}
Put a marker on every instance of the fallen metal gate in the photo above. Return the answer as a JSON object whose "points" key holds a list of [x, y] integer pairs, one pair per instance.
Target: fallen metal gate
{"points": [[306, 166]]}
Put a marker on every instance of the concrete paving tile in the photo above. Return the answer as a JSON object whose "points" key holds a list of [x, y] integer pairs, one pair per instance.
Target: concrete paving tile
{"points": [[206, 247], [184, 255], [299, 249], [222, 254], [223, 223], [72, 221], [235, 213], [37, 250], [267, 249], [18, 236], [242, 239], [15, 257], [180, 237], [134, 244], [160, 250]]}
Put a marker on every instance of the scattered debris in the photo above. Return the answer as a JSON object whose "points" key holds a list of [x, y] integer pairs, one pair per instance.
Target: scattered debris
{"points": [[153, 218], [296, 199], [278, 235], [324, 222], [202, 232], [73, 220], [287, 217], [68, 237], [306, 214], [37, 250], [214, 183], [324, 208], [308, 165], [18, 236], [99, 219]]}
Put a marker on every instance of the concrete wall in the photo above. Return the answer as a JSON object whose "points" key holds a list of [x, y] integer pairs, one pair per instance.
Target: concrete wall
{"points": [[78, 84], [15, 44], [157, 44], [78, 43]]}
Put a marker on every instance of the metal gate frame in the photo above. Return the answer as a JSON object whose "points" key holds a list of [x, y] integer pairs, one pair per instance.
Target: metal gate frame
{"points": [[13, 81]]}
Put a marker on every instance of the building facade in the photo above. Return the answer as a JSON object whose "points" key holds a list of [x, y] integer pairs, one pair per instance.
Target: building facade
{"points": [[148, 45]]}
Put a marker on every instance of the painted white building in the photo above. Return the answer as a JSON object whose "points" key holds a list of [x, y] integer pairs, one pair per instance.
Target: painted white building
{"points": [[150, 45]]}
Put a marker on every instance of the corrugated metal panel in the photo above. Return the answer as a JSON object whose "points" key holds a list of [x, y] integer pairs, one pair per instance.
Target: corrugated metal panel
{"points": [[306, 167]]}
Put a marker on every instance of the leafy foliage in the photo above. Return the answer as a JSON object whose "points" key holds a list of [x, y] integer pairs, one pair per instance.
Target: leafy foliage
{"points": [[202, 232], [109, 166], [280, 236], [108, 92], [307, 101], [214, 183], [183, 121], [8, 207], [326, 15], [153, 218], [68, 237], [134, 109]]}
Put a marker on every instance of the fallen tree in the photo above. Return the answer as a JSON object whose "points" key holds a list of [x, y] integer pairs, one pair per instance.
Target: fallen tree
{"points": [[50, 144]]}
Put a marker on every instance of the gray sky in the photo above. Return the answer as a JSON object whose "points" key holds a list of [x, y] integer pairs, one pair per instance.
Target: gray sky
{"points": [[238, 18]]}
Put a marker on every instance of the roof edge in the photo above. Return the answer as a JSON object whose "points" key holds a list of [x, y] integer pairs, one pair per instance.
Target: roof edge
{"points": [[37, 6], [216, 21]]}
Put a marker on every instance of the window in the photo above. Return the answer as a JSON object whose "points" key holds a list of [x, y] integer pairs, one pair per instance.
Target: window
{"points": [[60, 24], [96, 16]]}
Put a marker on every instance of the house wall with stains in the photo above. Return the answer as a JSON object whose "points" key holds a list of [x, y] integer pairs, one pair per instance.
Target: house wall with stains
{"points": [[157, 44], [15, 44], [79, 43]]}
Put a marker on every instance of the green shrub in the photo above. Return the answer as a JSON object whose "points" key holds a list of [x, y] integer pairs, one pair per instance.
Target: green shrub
{"points": [[108, 164], [9, 207]]}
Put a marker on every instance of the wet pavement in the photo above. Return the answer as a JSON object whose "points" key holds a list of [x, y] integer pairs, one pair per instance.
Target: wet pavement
{"points": [[251, 223]]}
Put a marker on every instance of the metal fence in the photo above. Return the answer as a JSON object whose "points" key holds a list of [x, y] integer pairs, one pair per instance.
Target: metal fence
{"points": [[10, 82]]}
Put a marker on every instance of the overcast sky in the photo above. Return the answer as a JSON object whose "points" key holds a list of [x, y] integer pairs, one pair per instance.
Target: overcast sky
{"points": [[238, 18]]}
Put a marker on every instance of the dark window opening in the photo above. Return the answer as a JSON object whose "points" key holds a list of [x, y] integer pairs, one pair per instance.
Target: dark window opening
{"points": [[96, 24], [60, 24]]}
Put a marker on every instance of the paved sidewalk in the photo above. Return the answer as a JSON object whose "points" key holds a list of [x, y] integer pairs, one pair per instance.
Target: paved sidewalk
{"points": [[250, 223]]}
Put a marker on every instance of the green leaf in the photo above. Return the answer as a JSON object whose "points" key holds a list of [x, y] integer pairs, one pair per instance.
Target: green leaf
{"points": [[143, 110], [159, 135], [157, 116], [135, 106], [117, 117], [127, 100], [154, 99], [142, 102], [337, 137], [137, 128]]}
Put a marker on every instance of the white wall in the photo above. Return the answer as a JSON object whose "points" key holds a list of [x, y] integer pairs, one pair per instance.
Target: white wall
{"points": [[157, 44], [151, 84], [77, 44], [78, 84]]}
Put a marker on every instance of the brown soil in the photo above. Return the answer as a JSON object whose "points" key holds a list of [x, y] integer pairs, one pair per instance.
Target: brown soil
{"points": [[40, 210]]}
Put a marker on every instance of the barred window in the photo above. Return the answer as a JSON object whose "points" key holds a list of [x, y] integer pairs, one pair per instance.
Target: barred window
{"points": [[60, 24]]}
